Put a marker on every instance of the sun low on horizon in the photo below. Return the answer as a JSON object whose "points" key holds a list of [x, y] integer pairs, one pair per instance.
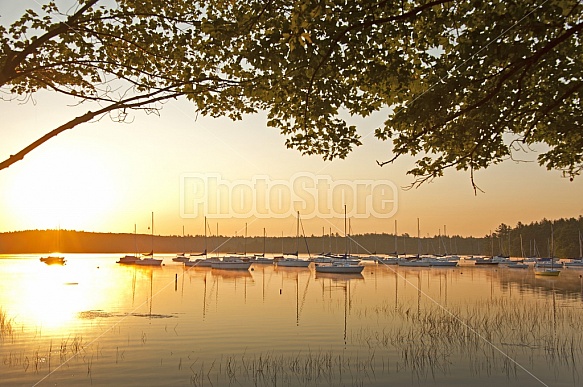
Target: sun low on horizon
{"points": [[60, 187]]}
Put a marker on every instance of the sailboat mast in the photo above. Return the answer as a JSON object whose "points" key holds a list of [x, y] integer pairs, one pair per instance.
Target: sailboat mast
{"points": [[580, 246], [205, 247], [552, 247], [491, 244], [152, 233], [298, 236], [396, 247], [345, 234], [418, 240]]}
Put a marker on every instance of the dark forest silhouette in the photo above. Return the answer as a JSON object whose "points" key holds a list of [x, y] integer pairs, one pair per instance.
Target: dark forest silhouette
{"points": [[505, 240]]}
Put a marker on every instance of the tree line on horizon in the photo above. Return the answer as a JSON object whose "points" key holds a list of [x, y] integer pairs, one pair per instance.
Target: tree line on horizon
{"points": [[540, 239]]}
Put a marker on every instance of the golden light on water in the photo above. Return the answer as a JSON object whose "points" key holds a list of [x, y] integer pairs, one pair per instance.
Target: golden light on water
{"points": [[50, 298]]}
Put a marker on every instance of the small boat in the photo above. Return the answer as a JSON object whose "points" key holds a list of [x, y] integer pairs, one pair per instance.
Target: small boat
{"points": [[548, 263], [181, 258], [517, 265], [261, 260], [202, 262], [231, 262], [440, 262], [339, 268], [575, 263], [388, 261], [291, 262], [148, 261], [415, 262], [486, 261], [547, 272], [53, 260], [128, 259]]}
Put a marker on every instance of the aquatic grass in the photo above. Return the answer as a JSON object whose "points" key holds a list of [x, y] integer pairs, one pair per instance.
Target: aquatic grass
{"points": [[6, 325], [489, 335]]}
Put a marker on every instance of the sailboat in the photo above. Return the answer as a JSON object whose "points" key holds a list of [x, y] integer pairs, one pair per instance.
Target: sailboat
{"points": [[262, 259], [181, 257], [577, 263], [149, 259], [130, 259], [416, 261], [293, 260], [341, 266], [206, 261], [233, 262], [55, 259], [548, 271], [518, 264]]}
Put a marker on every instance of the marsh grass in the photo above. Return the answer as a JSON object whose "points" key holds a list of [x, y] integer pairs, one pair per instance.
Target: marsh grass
{"points": [[6, 325], [498, 335], [302, 369]]}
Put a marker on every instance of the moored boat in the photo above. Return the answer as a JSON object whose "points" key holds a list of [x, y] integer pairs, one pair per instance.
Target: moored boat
{"points": [[53, 260], [231, 263], [339, 268], [128, 259], [291, 262], [148, 261]]}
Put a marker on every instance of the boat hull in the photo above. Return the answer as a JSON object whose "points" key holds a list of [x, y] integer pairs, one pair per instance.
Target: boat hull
{"points": [[53, 260], [351, 269], [148, 262], [293, 263], [548, 273], [414, 263], [231, 265]]}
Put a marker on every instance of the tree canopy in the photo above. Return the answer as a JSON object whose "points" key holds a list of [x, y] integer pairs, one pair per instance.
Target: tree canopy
{"points": [[465, 84]]}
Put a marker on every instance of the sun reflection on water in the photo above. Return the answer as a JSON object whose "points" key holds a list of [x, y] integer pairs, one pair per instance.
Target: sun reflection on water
{"points": [[51, 297]]}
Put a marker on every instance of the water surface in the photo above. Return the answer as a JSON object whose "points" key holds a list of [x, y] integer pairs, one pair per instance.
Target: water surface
{"points": [[94, 322]]}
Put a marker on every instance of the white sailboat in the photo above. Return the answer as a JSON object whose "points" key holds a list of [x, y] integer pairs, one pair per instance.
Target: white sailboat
{"points": [[342, 265], [130, 259], [293, 260], [548, 271], [415, 261], [518, 264], [262, 259], [577, 263], [233, 262], [181, 257], [206, 261], [149, 259]]}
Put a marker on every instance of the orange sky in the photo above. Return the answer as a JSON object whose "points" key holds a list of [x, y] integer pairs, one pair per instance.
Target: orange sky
{"points": [[106, 177]]}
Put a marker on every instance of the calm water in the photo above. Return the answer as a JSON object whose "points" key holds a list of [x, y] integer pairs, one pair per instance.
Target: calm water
{"points": [[94, 322]]}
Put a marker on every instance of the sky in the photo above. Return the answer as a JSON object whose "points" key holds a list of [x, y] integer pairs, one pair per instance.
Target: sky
{"points": [[105, 176]]}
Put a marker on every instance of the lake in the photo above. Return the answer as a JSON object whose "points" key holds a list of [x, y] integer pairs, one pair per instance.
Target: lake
{"points": [[95, 322]]}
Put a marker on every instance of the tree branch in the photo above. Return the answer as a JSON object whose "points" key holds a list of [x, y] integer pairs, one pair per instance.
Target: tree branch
{"points": [[8, 72], [131, 103]]}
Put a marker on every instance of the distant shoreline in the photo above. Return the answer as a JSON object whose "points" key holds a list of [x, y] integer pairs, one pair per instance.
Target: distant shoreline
{"points": [[523, 240]]}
